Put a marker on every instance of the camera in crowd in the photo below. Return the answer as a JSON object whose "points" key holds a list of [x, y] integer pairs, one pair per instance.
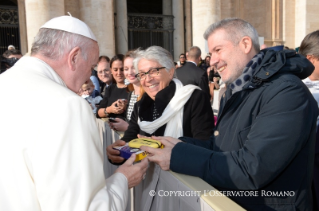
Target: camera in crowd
{"points": [[7, 63]]}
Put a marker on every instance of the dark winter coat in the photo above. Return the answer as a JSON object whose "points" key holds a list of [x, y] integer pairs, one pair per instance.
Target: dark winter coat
{"points": [[264, 139]]}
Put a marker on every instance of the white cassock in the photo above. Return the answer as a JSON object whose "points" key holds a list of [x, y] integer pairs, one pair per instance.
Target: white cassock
{"points": [[50, 152]]}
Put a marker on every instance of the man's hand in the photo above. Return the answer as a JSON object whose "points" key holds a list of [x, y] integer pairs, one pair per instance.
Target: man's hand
{"points": [[167, 138], [113, 154], [133, 172], [161, 156]]}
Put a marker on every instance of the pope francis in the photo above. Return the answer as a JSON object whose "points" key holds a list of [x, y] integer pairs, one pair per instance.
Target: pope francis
{"points": [[50, 152]]}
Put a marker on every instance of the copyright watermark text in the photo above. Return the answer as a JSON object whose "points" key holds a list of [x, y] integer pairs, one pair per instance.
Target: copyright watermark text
{"points": [[262, 193]]}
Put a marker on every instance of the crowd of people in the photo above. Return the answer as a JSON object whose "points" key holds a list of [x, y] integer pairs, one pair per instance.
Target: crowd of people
{"points": [[263, 139]]}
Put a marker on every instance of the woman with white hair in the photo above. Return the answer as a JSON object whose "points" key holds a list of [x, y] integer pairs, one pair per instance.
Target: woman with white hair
{"points": [[167, 107]]}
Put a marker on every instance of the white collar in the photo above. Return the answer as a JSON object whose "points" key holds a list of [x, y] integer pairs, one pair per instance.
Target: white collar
{"points": [[29, 63]]}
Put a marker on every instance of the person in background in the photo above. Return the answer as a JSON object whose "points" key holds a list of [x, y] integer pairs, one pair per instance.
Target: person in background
{"points": [[12, 54], [95, 81], [11, 47], [213, 79], [133, 88], [55, 161], [205, 64], [90, 94], [191, 74], [265, 134], [9, 58], [104, 73], [182, 60], [309, 48], [114, 102]]}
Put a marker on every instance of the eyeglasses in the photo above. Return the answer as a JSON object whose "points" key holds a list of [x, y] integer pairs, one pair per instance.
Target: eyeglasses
{"points": [[182, 57], [103, 72], [152, 72]]}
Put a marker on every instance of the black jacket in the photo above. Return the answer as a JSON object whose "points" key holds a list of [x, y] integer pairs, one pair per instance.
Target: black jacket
{"points": [[191, 74], [198, 118], [112, 94], [264, 139]]}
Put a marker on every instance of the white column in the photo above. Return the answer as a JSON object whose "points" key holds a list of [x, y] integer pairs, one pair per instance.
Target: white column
{"points": [[99, 16], [289, 23], [121, 23], [167, 7], [306, 18], [167, 10], [178, 37], [188, 24], [22, 27], [38, 12], [204, 13]]}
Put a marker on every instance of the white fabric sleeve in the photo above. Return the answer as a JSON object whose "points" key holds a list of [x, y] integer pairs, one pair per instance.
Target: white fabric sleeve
{"points": [[115, 184], [67, 162]]}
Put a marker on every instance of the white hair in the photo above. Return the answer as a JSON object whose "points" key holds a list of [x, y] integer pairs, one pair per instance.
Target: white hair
{"points": [[54, 43], [157, 54], [10, 47]]}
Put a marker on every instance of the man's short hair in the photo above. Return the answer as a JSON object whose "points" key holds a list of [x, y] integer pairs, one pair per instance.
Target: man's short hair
{"points": [[236, 29], [194, 52], [8, 53], [104, 57], [53, 43], [310, 45]]}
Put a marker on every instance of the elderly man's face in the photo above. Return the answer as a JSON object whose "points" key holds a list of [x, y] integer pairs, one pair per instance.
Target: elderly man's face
{"points": [[85, 65], [227, 58], [155, 83], [104, 72]]}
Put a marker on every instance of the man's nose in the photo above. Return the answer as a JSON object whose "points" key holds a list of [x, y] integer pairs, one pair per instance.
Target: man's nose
{"points": [[214, 59]]}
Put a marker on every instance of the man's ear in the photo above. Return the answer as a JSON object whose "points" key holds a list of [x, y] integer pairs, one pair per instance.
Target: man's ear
{"points": [[246, 44], [73, 58]]}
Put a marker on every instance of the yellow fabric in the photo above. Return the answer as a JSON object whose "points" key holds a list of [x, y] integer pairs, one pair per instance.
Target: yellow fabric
{"points": [[138, 142]]}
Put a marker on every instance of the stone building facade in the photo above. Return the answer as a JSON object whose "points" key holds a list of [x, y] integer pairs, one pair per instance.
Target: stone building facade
{"points": [[174, 24]]}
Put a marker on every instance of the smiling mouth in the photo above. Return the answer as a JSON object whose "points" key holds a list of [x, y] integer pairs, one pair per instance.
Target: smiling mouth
{"points": [[152, 86], [221, 69]]}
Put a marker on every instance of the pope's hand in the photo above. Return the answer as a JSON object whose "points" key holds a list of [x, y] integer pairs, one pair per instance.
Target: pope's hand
{"points": [[133, 172]]}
